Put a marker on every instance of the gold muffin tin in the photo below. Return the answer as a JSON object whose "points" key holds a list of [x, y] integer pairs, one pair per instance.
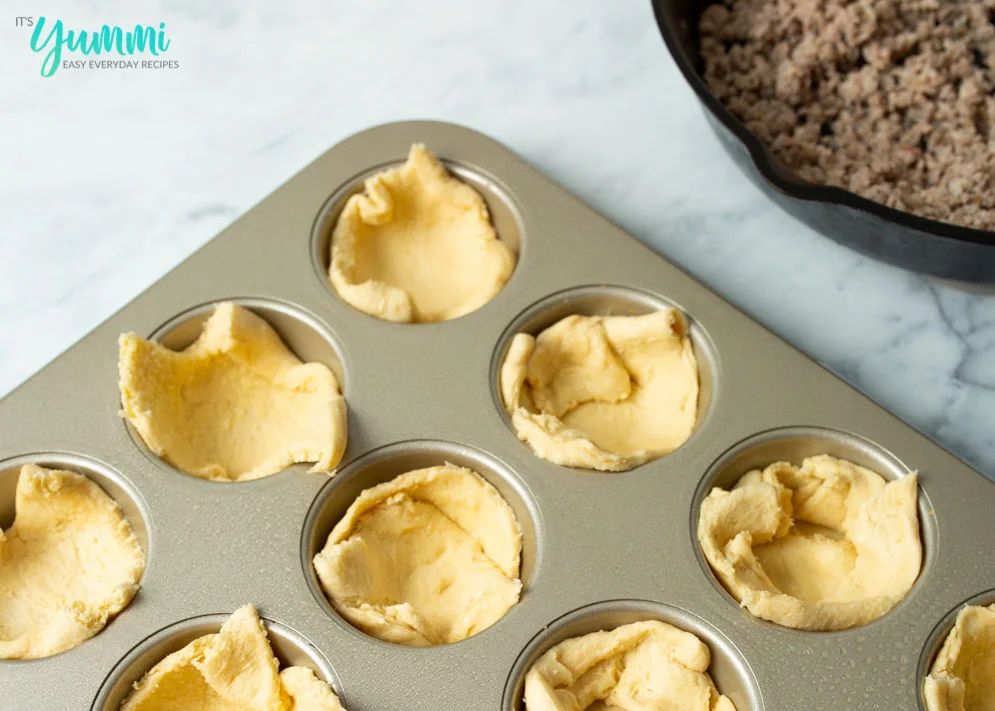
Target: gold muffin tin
{"points": [[599, 549]]}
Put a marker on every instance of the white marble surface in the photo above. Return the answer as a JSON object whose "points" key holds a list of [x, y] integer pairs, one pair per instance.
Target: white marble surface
{"points": [[109, 178]]}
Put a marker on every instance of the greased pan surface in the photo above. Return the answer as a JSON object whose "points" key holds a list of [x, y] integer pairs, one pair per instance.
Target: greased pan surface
{"points": [[600, 549]]}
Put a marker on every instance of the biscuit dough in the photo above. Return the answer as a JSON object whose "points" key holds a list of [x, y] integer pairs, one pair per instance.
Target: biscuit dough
{"points": [[430, 557], [417, 245], [962, 677], [635, 667], [68, 564], [234, 405], [825, 546], [603, 392], [233, 670]]}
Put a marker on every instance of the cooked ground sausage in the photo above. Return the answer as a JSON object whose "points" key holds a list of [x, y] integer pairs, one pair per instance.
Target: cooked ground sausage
{"points": [[891, 99]]}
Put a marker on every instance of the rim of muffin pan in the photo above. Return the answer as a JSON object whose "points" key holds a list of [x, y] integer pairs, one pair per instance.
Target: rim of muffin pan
{"points": [[306, 335], [390, 461], [729, 667], [794, 444], [610, 300], [110, 480], [289, 646], [938, 636], [503, 208]]}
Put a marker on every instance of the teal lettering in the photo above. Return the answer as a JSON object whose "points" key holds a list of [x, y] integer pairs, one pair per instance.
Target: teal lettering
{"points": [[163, 42], [52, 59], [108, 40], [141, 38], [111, 38], [78, 43]]}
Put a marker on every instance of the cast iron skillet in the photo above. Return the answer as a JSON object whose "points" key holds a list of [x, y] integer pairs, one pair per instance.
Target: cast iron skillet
{"points": [[928, 246]]}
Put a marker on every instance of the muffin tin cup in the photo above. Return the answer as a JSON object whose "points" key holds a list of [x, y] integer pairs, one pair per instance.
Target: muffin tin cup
{"points": [[504, 212], [303, 333], [729, 669], [425, 393], [289, 647], [939, 635], [389, 462], [606, 300], [112, 483], [794, 444]]}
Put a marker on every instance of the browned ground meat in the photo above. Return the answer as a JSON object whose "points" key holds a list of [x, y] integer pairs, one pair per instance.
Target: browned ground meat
{"points": [[891, 99]]}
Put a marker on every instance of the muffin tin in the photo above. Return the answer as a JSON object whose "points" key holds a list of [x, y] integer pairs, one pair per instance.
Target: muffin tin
{"points": [[599, 549]]}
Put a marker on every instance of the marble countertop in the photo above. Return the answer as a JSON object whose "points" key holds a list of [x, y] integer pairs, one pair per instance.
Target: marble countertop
{"points": [[110, 177]]}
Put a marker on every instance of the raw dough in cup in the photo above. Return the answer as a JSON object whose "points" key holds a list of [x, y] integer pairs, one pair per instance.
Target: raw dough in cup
{"points": [[642, 665], [236, 404], [233, 670], [430, 557], [962, 677], [68, 564], [417, 245], [828, 545], [603, 392]]}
